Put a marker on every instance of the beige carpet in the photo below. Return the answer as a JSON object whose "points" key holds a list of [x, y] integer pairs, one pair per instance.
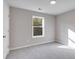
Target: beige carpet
{"points": [[46, 51]]}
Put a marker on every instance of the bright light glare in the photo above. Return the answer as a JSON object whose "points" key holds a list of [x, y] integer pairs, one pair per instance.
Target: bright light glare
{"points": [[65, 47], [53, 2], [71, 38], [71, 34]]}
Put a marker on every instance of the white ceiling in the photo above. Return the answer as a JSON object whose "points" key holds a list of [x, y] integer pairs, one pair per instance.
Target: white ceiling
{"points": [[60, 7]]}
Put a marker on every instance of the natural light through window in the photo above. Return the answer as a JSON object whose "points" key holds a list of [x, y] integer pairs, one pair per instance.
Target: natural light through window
{"points": [[37, 26], [71, 38]]}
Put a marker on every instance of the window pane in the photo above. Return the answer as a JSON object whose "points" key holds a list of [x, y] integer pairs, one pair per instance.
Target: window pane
{"points": [[37, 22], [37, 31]]}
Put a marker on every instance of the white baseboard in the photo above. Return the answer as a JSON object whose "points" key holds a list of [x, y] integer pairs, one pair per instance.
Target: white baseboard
{"points": [[30, 45]]}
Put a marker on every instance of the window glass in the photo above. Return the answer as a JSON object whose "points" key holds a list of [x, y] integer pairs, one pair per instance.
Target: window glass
{"points": [[37, 26]]}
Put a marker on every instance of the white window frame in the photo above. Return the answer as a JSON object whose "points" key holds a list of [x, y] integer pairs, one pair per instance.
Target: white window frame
{"points": [[38, 26]]}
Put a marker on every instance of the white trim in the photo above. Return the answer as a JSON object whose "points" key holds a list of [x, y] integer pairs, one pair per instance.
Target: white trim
{"points": [[7, 52], [38, 26], [31, 45]]}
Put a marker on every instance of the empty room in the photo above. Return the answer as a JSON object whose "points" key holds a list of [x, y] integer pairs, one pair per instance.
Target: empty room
{"points": [[39, 29]]}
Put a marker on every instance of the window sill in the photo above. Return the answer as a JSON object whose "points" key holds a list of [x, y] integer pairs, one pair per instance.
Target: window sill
{"points": [[37, 36]]}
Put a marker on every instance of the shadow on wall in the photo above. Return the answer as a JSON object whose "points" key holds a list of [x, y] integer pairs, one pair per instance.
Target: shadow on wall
{"points": [[69, 35], [65, 28]]}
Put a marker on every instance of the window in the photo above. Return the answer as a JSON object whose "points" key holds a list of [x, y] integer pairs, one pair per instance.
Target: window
{"points": [[37, 26]]}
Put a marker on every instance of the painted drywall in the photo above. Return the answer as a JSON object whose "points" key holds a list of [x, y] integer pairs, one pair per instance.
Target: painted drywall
{"points": [[5, 29], [65, 27], [21, 28]]}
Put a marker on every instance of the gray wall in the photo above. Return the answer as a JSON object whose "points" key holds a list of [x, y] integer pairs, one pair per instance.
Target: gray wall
{"points": [[21, 28], [65, 27], [5, 28]]}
